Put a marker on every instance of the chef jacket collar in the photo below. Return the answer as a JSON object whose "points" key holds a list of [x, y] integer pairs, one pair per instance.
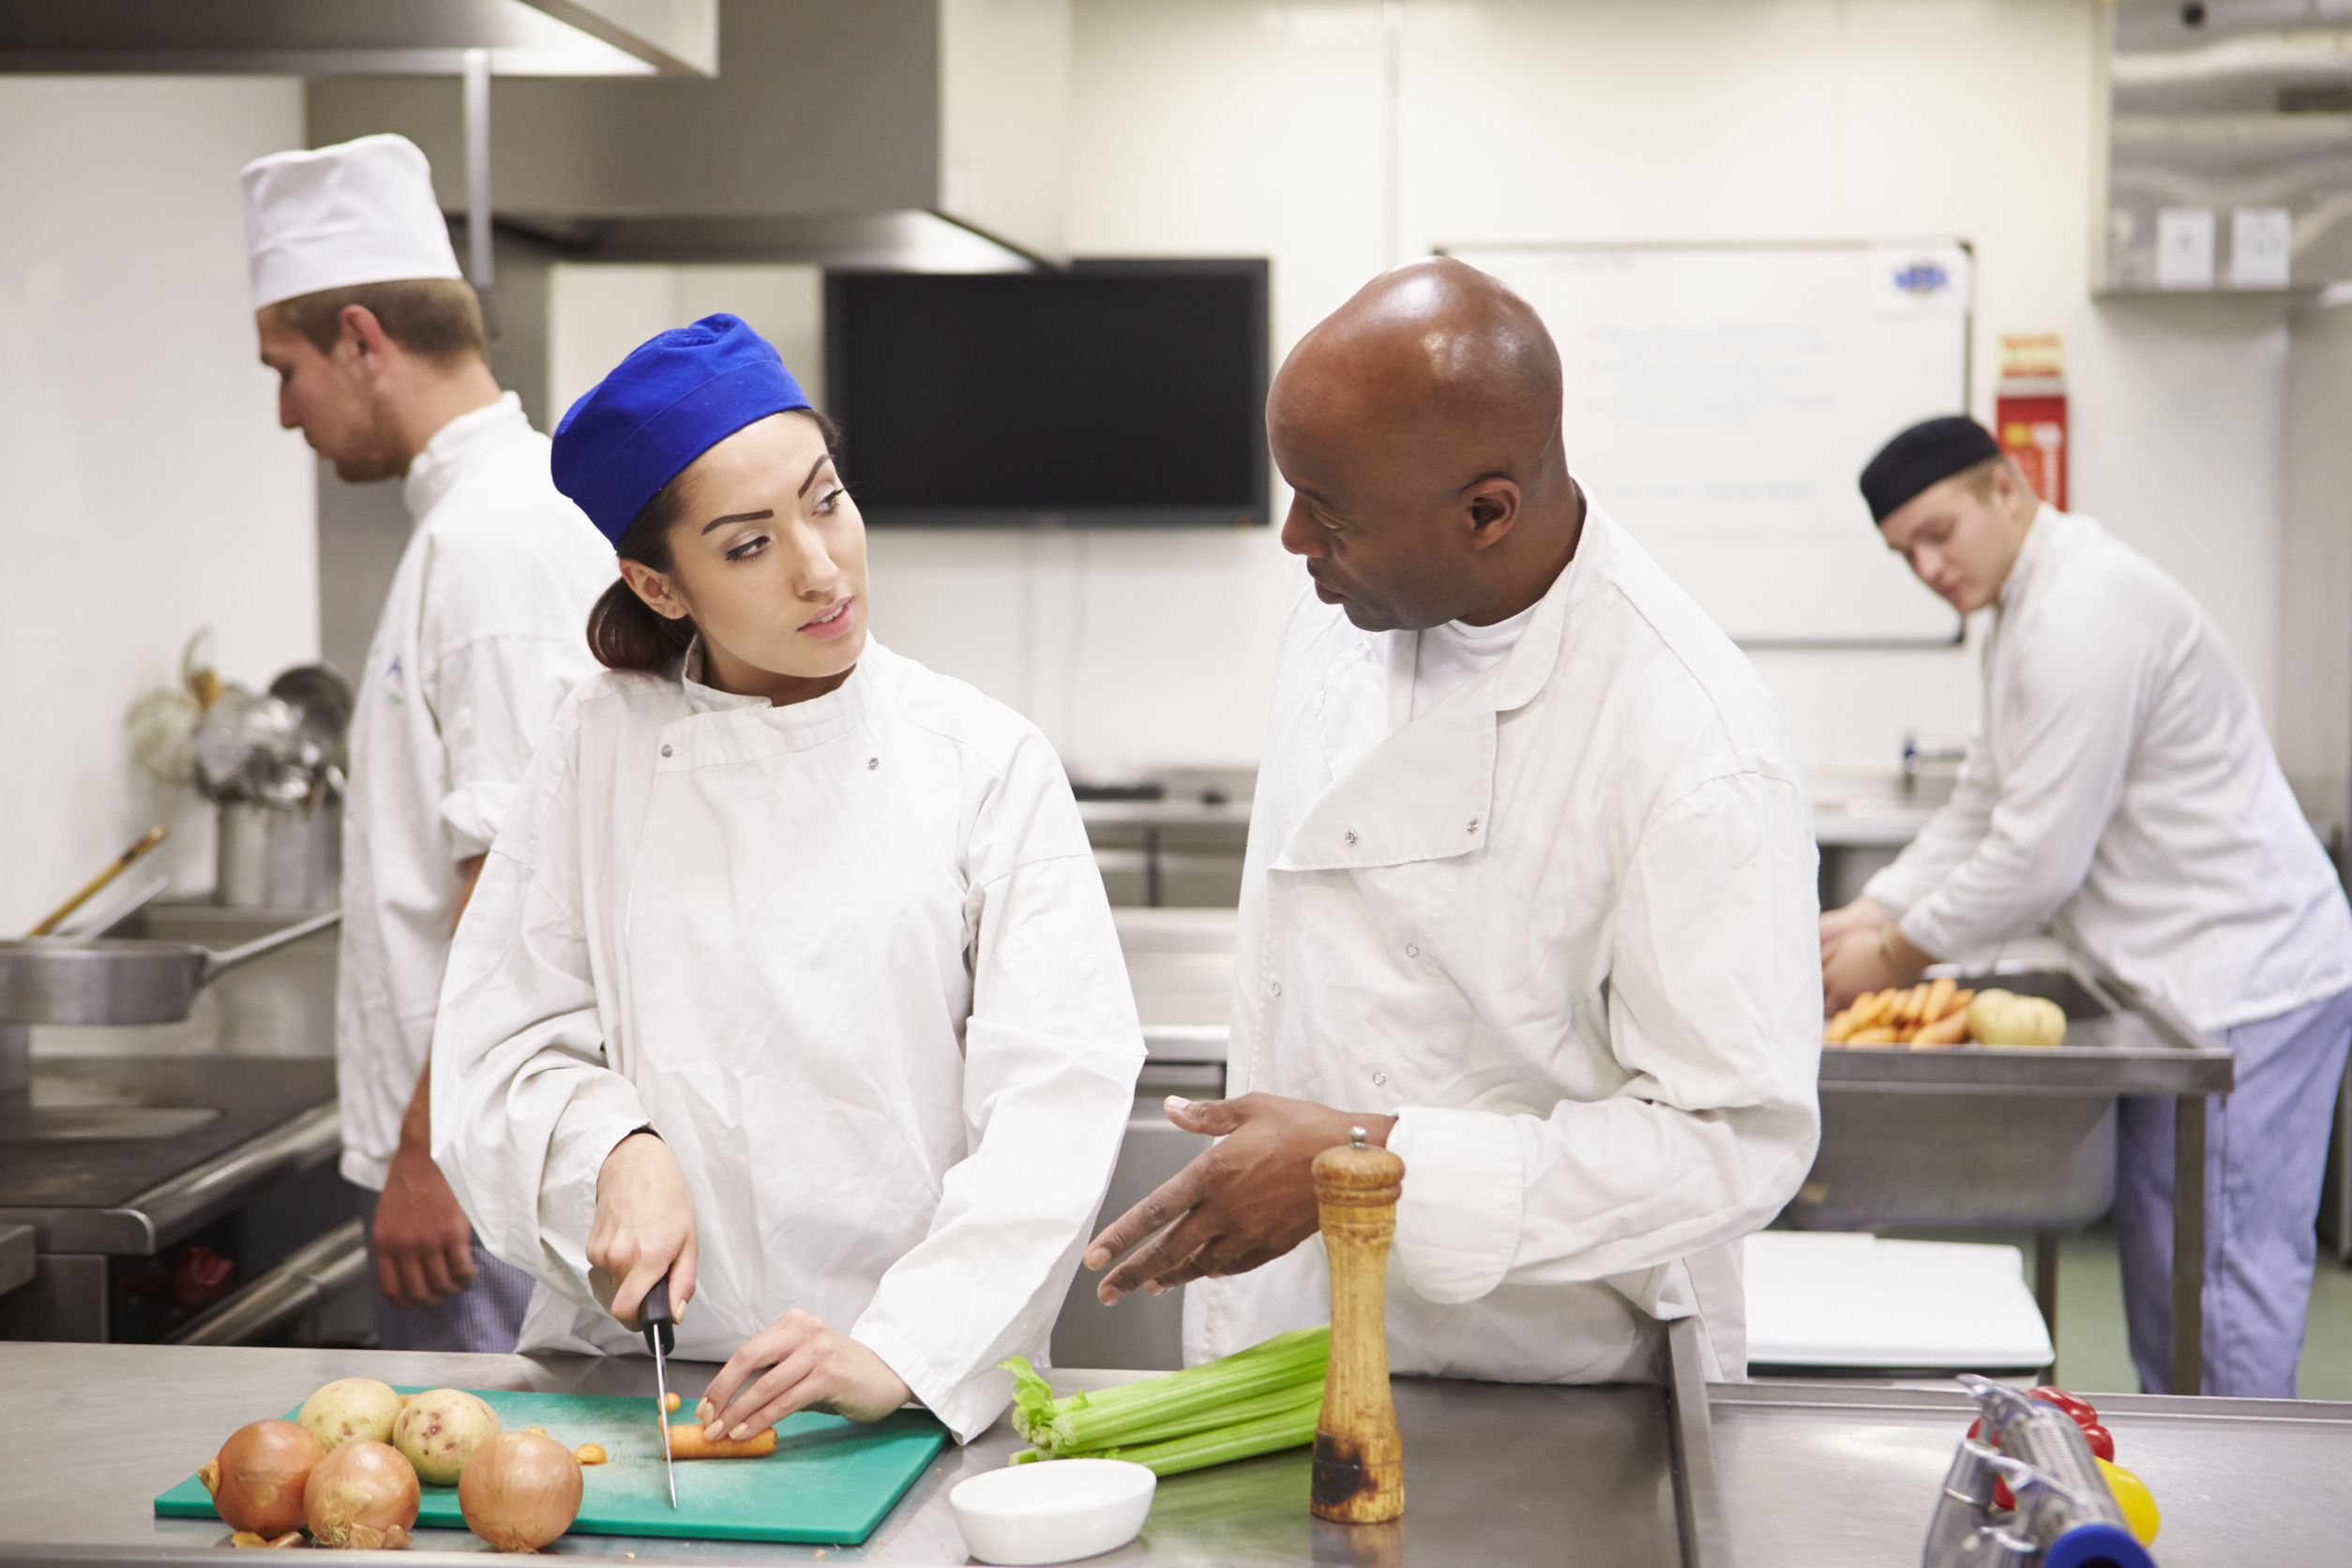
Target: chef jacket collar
{"points": [[2041, 544], [436, 469], [794, 727], [1427, 791]]}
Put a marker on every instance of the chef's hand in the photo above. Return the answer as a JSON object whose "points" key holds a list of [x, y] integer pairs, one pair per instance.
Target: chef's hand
{"points": [[1240, 1204], [1868, 961], [644, 1230], [1862, 914], [423, 1243], [808, 1365]]}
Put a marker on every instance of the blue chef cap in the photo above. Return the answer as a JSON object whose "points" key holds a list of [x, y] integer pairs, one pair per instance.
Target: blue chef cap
{"points": [[674, 398]]}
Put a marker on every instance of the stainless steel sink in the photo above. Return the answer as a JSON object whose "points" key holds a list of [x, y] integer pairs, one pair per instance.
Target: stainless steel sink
{"points": [[1988, 1138]]}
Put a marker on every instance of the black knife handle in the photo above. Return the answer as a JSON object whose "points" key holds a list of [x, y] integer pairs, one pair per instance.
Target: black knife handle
{"points": [[653, 1316]]}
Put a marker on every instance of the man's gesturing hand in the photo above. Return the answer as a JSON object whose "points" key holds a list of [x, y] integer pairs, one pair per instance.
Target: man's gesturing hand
{"points": [[1240, 1204]]}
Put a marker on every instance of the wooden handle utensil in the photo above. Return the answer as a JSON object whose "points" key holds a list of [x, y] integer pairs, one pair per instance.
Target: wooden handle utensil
{"points": [[123, 862], [1359, 1458]]}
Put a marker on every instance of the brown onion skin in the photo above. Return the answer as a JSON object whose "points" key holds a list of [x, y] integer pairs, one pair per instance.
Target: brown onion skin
{"points": [[258, 1478], [520, 1491], [362, 1494]]}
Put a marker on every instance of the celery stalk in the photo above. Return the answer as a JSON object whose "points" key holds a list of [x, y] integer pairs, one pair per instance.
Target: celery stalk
{"points": [[1129, 1411], [1094, 1431], [1222, 1444]]}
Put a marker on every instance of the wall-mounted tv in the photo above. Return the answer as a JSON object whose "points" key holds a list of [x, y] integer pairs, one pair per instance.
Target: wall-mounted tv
{"points": [[1109, 393]]}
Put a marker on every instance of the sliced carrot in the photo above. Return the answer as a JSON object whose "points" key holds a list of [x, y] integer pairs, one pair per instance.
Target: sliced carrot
{"points": [[1949, 1029], [589, 1453]]}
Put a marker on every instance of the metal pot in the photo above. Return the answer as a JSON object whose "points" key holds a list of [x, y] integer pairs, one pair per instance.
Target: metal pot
{"points": [[120, 981], [280, 858]]}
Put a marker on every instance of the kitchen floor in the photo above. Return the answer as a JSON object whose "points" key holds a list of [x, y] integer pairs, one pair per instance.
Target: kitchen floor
{"points": [[2092, 1353]]}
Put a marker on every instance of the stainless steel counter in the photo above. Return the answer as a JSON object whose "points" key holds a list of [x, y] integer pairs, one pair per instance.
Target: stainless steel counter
{"points": [[1499, 1473], [1842, 1476], [1805, 1475]]}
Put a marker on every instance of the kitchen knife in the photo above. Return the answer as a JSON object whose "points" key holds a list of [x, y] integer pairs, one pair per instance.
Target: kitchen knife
{"points": [[653, 1316]]}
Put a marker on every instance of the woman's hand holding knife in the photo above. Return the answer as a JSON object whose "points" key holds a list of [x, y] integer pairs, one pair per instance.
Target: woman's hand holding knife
{"points": [[644, 1230]]}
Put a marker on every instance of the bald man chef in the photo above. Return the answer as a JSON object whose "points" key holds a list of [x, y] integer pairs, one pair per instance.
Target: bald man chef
{"points": [[2122, 790], [1530, 890], [377, 342]]}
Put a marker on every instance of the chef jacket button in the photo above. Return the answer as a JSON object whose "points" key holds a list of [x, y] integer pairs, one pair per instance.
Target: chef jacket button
{"points": [[872, 762], [664, 751], [1275, 987], [1379, 1077], [1349, 836], [1412, 951], [1473, 827]]}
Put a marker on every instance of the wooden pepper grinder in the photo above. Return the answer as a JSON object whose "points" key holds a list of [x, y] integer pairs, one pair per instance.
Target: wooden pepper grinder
{"points": [[1359, 1459]]}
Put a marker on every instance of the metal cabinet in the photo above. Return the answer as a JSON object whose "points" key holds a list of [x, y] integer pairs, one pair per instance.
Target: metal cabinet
{"points": [[1143, 1333]]}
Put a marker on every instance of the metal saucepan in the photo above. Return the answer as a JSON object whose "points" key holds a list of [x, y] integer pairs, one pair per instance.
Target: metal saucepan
{"points": [[114, 980]]}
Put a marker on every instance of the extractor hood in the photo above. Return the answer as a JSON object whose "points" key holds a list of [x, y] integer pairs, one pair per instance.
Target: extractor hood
{"points": [[927, 134], [2229, 145], [323, 37]]}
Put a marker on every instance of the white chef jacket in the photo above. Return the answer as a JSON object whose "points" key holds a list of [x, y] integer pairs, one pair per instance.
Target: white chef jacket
{"points": [[2121, 788], [1562, 925], [484, 633], [851, 958]]}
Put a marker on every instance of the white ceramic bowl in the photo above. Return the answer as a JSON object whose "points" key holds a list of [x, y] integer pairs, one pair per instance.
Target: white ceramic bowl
{"points": [[1053, 1511]]}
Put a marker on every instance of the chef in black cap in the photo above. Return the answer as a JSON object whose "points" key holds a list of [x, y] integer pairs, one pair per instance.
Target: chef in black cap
{"points": [[2121, 791]]}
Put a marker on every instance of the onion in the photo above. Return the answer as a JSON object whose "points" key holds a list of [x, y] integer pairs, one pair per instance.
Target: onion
{"points": [[350, 1409], [256, 1481], [520, 1491], [438, 1431], [363, 1495]]}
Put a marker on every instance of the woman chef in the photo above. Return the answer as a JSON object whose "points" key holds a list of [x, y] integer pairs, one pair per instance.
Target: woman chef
{"points": [[790, 978]]}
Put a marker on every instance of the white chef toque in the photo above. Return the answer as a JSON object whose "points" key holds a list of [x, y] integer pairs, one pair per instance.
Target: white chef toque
{"points": [[359, 212]]}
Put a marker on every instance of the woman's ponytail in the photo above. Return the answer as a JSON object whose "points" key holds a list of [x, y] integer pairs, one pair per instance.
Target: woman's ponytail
{"points": [[623, 631]]}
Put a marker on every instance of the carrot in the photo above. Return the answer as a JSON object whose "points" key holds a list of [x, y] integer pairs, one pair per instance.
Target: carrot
{"points": [[1838, 1028], [687, 1442], [1879, 1037], [670, 1402], [1949, 1029], [1940, 995]]}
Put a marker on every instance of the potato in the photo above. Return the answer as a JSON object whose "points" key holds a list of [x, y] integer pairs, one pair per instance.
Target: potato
{"points": [[1998, 1018], [350, 1409], [439, 1431]]}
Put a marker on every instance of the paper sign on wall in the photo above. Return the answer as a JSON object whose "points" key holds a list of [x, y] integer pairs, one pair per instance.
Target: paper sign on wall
{"points": [[2184, 248], [2261, 248]]}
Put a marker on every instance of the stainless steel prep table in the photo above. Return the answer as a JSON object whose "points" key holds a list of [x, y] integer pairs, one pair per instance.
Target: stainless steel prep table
{"points": [[1844, 1476], [2143, 1048], [1500, 1474], [1796, 1475]]}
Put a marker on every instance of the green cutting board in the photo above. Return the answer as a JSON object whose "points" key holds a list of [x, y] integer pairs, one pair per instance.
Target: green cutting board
{"points": [[829, 1481]]}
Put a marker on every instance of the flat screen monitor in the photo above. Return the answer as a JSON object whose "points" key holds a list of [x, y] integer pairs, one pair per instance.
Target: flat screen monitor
{"points": [[1110, 393]]}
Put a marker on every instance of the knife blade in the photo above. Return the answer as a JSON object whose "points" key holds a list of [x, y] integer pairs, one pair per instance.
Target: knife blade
{"points": [[653, 1316]]}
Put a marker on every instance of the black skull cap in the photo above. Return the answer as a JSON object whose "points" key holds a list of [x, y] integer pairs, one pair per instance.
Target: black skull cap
{"points": [[1928, 453]]}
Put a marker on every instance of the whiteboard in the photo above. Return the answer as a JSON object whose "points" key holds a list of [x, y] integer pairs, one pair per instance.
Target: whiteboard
{"points": [[1722, 399]]}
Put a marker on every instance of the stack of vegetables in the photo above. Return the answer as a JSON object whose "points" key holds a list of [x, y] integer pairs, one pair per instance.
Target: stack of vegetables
{"points": [[1251, 1402]]}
